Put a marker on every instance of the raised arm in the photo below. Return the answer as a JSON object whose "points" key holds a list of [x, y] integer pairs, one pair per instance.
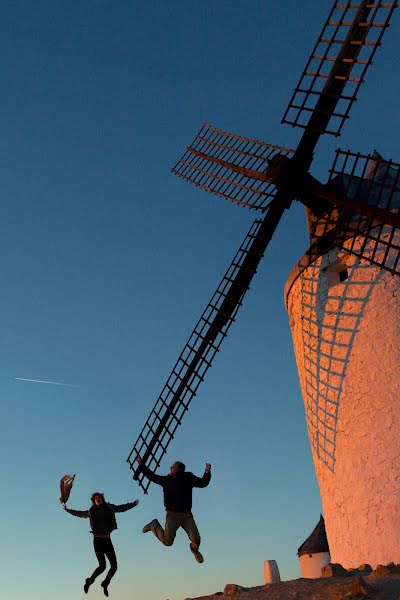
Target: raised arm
{"points": [[149, 474], [202, 482], [83, 514], [124, 507]]}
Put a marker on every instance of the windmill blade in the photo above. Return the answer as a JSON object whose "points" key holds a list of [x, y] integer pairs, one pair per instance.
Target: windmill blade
{"points": [[202, 346], [337, 66], [373, 234], [231, 166]]}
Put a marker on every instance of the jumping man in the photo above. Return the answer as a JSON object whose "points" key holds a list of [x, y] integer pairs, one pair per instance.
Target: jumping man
{"points": [[177, 488], [103, 522]]}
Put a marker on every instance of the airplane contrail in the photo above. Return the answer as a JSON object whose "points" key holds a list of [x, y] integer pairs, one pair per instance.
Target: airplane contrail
{"points": [[46, 382]]}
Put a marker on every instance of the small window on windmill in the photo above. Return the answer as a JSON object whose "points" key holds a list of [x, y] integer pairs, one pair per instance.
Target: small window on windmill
{"points": [[343, 274], [337, 272]]}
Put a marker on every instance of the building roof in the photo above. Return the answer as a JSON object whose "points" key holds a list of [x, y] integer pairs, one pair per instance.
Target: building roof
{"points": [[316, 542]]}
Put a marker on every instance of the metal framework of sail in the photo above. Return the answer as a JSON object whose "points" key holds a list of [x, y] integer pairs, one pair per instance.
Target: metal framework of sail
{"points": [[204, 164], [377, 183], [346, 63], [199, 351], [361, 199]]}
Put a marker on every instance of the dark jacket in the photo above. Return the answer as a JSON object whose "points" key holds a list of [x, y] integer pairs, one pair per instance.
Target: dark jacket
{"points": [[178, 489], [113, 508]]}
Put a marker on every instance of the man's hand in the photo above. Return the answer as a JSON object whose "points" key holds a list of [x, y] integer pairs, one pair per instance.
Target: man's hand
{"points": [[135, 502], [139, 459], [208, 468]]}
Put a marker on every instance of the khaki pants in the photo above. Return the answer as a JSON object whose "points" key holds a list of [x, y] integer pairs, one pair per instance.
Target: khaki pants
{"points": [[174, 520]]}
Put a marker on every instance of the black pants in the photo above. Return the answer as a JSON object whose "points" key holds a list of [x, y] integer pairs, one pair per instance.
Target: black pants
{"points": [[104, 548]]}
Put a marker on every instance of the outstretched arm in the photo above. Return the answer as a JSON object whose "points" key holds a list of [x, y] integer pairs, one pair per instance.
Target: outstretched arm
{"points": [[202, 482], [83, 514], [148, 473], [124, 507]]}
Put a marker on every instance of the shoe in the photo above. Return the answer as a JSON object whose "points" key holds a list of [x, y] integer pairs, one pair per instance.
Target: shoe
{"points": [[198, 555], [88, 583], [104, 585], [150, 526]]}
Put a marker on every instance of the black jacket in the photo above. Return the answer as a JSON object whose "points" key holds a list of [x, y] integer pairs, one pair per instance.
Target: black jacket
{"points": [[178, 489], [113, 508]]}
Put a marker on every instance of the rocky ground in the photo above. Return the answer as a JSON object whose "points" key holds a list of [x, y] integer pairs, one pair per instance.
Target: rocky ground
{"points": [[337, 583]]}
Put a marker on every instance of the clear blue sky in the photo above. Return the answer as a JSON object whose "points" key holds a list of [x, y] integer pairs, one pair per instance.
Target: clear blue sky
{"points": [[107, 260]]}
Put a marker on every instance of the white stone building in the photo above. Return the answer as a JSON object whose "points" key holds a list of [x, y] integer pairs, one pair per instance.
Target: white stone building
{"points": [[344, 316]]}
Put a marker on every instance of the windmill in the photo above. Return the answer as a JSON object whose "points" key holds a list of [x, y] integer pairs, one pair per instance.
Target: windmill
{"points": [[354, 215]]}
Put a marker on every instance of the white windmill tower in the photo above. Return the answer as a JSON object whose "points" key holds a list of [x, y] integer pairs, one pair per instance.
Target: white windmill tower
{"points": [[345, 320], [340, 293]]}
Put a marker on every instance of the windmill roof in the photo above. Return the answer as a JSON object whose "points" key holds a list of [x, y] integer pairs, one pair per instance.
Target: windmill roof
{"points": [[316, 542]]}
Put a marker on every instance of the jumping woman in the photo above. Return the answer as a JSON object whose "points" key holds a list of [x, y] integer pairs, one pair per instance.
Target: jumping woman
{"points": [[103, 522]]}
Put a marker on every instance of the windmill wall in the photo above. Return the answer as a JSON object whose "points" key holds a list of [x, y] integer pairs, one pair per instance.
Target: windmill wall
{"points": [[345, 320]]}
